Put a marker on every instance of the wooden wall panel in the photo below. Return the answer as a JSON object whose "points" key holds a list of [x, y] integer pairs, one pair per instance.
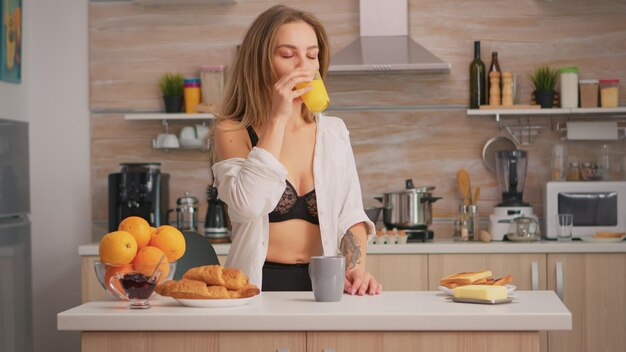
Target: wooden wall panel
{"points": [[403, 125]]}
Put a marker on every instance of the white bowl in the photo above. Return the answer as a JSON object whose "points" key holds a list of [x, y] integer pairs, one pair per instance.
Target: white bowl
{"points": [[191, 143]]}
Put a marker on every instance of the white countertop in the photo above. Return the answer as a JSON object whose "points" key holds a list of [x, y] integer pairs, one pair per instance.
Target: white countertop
{"points": [[298, 311], [450, 246]]}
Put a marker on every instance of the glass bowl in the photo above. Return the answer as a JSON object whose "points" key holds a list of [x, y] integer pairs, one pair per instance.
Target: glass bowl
{"points": [[105, 270]]}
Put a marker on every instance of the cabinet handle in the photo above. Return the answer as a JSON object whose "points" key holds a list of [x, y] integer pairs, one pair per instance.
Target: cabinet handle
{"points": [[559, 280], [282, 350], [534, 276], [328, 350]]}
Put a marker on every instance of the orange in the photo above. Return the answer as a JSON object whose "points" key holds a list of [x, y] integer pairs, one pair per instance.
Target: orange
{"points": [[139, 228], [117, 248], [170, 240], [146, 260], [112, 271]]}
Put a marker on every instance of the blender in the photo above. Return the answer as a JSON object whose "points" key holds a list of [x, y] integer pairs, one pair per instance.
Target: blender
{"points": [[511, 173]]}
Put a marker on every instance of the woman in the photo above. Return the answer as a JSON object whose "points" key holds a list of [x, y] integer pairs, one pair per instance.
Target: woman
{"points": [[289, 178]]}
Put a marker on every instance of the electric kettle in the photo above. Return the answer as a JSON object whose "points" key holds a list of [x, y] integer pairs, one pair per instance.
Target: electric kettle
{"points": [[216, 222]]}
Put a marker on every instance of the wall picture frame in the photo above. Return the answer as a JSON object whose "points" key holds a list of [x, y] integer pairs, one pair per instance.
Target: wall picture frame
{"points": [[11, 41]]}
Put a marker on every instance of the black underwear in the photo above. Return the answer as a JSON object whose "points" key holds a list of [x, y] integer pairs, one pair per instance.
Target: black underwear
{"points": [[286, 277]]}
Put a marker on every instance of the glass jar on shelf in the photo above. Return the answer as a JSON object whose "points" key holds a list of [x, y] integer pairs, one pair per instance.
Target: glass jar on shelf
{"points": [[573, 172]]}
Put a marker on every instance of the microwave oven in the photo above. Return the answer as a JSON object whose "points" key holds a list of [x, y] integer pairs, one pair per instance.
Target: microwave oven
{"points": [[596, 206]]}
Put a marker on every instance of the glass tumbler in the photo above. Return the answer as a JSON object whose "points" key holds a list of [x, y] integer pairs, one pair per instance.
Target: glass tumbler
{"points": [[564, 225], [316, 100]]}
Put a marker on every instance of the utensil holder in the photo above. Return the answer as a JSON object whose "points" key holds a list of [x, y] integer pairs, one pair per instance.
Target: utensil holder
{"points": [[468, 220]]}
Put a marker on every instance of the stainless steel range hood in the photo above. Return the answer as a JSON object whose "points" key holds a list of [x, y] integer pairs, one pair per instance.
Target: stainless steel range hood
{"points": [[384, 44]]}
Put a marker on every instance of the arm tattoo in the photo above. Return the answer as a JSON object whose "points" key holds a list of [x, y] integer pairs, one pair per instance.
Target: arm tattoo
{"points": [[351, 249]]}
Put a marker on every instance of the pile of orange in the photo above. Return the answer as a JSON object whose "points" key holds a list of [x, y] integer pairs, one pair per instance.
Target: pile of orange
{"points": [[136, 246]]}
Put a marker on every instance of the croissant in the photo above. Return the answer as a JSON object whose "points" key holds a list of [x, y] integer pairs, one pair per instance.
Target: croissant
{"points": [[193, 289], [248, 291], [216, 275]]}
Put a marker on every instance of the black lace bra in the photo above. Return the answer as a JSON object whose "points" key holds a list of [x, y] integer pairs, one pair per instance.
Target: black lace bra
{"points": [[291, 205]]}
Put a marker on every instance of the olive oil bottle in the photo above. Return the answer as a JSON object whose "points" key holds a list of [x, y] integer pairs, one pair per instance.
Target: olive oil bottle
{"points": [[478, 88]]}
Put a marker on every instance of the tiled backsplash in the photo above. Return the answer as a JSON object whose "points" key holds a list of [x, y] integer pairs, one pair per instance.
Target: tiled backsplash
{"points": [[402, 125]]}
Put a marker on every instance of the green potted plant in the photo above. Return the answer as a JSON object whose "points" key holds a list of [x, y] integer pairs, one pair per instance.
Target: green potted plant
{"points": [[172, 85], [544, 81]]}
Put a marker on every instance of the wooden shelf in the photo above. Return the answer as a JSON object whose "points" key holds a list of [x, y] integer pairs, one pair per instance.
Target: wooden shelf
{"points": [[545, 112], [164, 116], [184, 2]]}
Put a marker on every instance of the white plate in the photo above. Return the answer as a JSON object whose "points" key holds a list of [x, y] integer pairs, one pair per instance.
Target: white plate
{"points": [[481, 301], [215, 303], [449, 291], [602, 240]]}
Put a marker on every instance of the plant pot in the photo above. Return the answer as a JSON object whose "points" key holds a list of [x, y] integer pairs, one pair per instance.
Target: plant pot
{"points": [[173, 104], [545, 98]]}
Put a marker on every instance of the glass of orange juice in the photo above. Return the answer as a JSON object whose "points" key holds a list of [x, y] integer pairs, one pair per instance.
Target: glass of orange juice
{"points": [[316, 100]]}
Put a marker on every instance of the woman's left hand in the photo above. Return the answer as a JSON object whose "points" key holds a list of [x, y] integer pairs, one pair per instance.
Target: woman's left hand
{"points": [[360, 282]]}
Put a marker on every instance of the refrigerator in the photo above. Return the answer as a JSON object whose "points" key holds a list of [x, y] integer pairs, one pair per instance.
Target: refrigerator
{"points": [[16, 297]]}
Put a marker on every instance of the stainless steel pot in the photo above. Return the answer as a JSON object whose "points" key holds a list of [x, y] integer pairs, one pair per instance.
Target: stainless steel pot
{"points": [[410, 208]]}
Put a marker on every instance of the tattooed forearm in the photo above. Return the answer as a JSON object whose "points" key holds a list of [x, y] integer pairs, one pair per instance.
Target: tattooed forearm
{"points": [[351, 249]]}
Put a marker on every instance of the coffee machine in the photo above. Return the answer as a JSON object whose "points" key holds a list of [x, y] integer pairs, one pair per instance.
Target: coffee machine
{"points": [[139, 189], [216, 221], [511, 168]]}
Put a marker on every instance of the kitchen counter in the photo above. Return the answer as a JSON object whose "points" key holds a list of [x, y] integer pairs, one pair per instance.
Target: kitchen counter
{"points": [[450, 246], [298, 311], [293, 321]]}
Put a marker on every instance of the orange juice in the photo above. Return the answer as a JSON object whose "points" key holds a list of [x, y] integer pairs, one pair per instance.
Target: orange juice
{"points": [[316, 100]]}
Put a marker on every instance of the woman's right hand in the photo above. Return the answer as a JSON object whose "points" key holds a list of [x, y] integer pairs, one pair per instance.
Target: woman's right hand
{"points": [[285, 96]]}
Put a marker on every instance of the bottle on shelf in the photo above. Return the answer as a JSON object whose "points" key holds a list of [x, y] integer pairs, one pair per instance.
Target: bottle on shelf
{"points": [[569, 87], [191, 93], [494, 67], [478, 88]]}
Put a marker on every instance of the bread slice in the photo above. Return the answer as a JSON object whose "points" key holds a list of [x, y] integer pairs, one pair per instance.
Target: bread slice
{"points": [[466, 278], [606, 234]]}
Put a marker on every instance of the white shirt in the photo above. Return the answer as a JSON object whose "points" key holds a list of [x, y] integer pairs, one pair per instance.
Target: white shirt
{"points": [[252, 187]]}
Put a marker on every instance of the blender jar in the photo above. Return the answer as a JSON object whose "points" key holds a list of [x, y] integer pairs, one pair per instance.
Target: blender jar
{"points": [[511, 173]]}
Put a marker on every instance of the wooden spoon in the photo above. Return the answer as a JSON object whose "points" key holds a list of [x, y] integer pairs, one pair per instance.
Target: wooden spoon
{"points": [[476, 195], [462, 179]]}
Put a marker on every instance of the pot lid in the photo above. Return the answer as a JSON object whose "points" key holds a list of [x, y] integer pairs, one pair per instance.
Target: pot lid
{"points": [[409, 188]]}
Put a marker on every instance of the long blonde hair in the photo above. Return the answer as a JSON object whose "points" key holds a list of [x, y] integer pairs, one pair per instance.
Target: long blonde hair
{"points": [[248, 94]]}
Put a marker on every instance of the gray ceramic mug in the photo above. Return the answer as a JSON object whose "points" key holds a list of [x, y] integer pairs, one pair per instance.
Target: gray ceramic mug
{"points": [[327, 277]]}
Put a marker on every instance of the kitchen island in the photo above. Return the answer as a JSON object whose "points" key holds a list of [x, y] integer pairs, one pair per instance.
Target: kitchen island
{"points": [[293, 321]]}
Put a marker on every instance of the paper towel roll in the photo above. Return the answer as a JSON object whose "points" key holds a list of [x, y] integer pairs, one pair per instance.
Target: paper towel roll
{"points": [[590, 131]]}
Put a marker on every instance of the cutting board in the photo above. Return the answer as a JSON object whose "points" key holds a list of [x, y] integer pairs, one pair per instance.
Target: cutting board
{"points": [[514, 107]]}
